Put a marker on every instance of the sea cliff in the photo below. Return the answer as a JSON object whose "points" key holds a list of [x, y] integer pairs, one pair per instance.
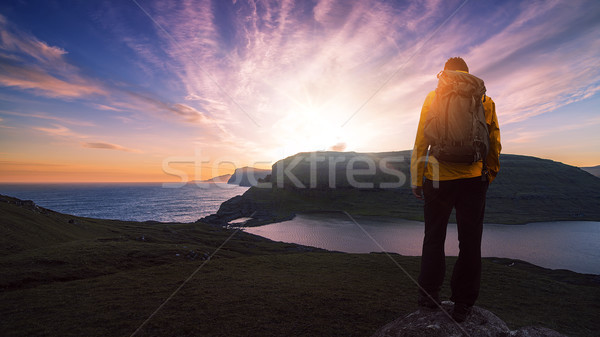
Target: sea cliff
{"points": [[527, 189]]}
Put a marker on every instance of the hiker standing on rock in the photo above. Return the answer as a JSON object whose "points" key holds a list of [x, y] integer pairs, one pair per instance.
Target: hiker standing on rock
{"points": [[455, 157]]}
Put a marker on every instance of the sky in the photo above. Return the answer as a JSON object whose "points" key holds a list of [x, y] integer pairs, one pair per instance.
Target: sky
{"points": [[148, 90]]}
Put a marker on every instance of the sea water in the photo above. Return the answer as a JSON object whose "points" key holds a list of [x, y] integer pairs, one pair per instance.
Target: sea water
{"points": [[128, 201]]}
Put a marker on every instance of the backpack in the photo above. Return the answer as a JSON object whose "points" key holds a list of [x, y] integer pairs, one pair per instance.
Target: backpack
{"points": [[455, 126]]}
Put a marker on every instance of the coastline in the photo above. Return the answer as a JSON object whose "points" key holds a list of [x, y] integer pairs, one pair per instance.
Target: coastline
{"points": [[72, 274]]}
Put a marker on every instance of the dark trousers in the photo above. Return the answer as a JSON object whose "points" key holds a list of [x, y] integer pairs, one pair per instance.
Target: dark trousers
{"points": [[467, 196]]}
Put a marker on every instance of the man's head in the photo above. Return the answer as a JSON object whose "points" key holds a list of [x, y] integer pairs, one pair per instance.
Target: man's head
{"points": [[456, 63]]}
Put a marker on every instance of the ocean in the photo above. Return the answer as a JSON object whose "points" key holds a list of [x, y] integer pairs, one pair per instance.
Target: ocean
{"points": [[128, 201]]}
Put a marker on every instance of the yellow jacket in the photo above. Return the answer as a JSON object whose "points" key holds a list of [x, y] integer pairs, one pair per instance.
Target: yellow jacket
{"points": [[439, 171]]}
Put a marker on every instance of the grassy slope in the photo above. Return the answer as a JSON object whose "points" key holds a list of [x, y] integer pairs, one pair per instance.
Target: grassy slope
{"points": [[527, 189], [99, 278]]}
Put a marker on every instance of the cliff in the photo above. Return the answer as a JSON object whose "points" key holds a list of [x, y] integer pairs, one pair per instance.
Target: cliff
{"points": [[248, 176], [527, 189]]}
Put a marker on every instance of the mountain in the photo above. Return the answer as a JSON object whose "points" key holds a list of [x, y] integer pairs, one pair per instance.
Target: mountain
{"points": [[527, 189], [248, 176], [595, 170]]}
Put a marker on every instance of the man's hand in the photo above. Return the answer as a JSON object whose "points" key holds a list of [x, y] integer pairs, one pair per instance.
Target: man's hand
{"points": [[418, 192]]}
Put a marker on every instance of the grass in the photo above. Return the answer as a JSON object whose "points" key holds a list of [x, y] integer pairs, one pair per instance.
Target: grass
{"points": [[107, 281]]}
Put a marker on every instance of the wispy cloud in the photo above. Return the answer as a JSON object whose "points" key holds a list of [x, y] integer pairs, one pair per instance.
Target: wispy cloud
{"points": [[34, 78], [105, 107], [58, 130], [108, 146], [5, 163], [2, 125], [282, 60], [47, 116], [524, 135], [30, 64], [65, 134], [545, 58], [184, 111]]}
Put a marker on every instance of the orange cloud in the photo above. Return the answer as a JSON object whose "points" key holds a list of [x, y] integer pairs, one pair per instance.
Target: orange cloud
{"points": [[60, 131], [43, 115], [108, 146], [341, 146], [24, 77]]}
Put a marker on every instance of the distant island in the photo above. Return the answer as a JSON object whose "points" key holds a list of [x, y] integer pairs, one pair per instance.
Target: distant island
{"points": [[218, 179], [528, 189], [595, 170]]}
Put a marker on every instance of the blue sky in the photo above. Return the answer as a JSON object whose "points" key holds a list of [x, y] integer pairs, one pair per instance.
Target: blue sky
{"points": [[110, 91]]}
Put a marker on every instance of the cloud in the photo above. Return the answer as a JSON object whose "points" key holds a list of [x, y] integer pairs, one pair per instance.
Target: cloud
{"points": [[30, 64], [545, 58], [108, 146], [339, 147], [16, 41], [283, 63], [301, 69], [40, 81], [105, 107], [188, 113], [66, 134], [43, 115], [60, 131], [4, 126]]}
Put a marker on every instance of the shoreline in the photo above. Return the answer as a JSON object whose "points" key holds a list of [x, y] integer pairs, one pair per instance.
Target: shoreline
{"points": [[365, 220]]}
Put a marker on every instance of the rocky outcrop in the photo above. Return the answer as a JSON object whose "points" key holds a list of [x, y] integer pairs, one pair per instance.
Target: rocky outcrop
{"points": [[438, 323], [27, 204], [242, 207]]}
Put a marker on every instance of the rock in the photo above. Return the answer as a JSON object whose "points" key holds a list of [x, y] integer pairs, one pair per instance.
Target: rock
{"points": [[192, 255], [236, 208], [535, 331], [438, 323]]}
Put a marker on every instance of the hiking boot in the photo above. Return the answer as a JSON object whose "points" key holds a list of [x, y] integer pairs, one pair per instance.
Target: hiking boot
{"points": [[427, 302], [460, 312]]}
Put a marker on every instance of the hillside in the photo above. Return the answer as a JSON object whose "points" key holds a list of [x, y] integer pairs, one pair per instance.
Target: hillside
{"points": [[527, 189], [93, 277]]}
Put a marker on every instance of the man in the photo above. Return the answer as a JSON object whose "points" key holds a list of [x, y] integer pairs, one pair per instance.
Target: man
{"points": [[446, 185]]}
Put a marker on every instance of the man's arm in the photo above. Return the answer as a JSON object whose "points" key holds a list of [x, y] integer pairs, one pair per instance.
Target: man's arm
{"points": [[493, 158], [419, 153]]}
